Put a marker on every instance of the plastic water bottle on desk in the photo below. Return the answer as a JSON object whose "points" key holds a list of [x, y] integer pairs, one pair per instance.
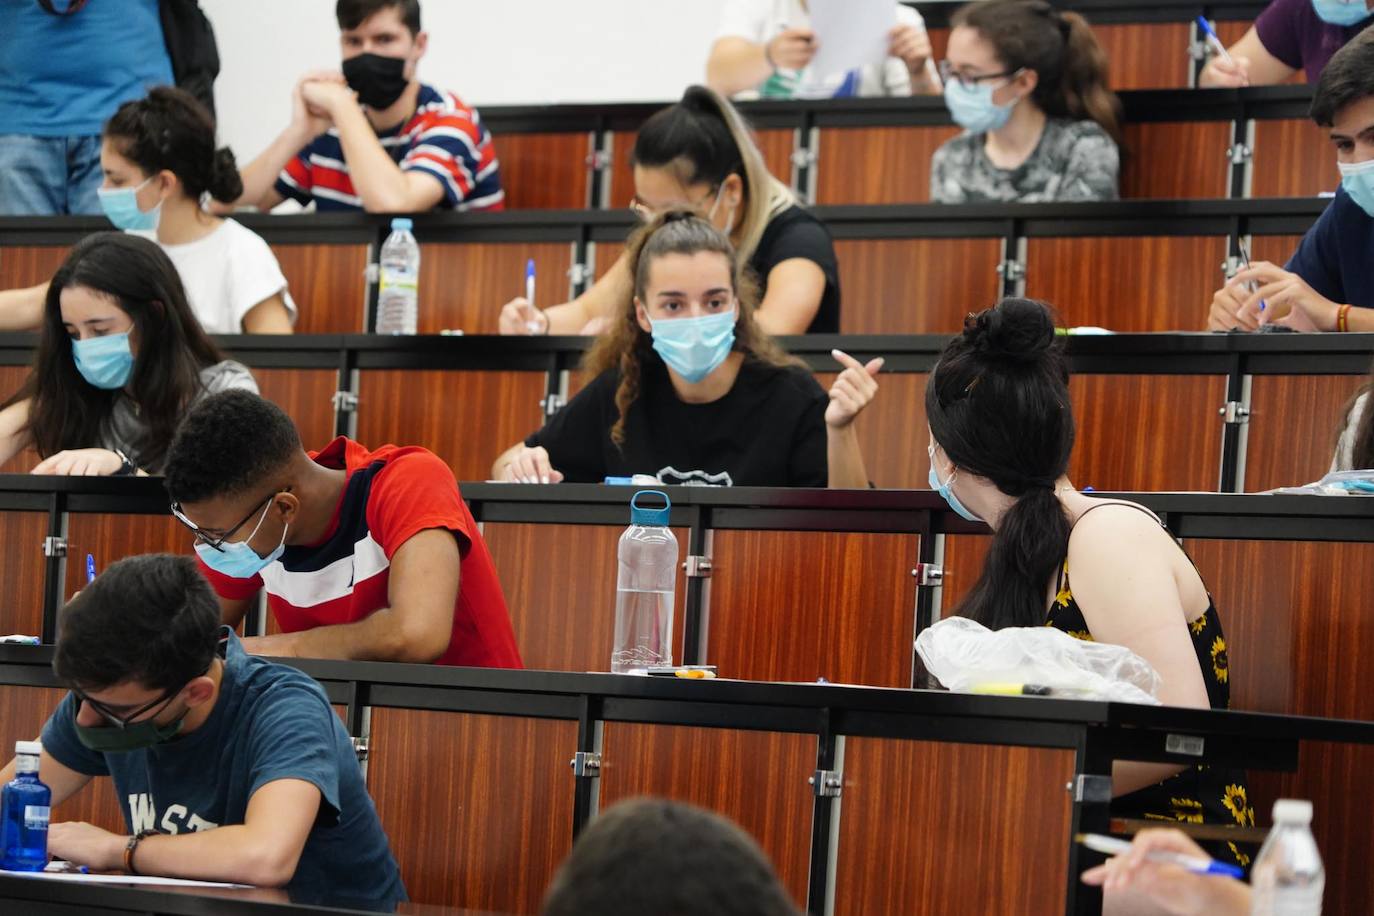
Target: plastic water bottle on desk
{"points": [[398, 291], [1288, 878], [24, 805], [644, 589]]}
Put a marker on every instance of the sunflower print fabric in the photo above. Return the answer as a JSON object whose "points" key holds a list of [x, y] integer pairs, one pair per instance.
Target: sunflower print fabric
{"points": [[1200, 794]]}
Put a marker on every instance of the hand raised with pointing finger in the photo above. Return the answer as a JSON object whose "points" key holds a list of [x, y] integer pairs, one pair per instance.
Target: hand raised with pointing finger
{"points": [[853, 390]]}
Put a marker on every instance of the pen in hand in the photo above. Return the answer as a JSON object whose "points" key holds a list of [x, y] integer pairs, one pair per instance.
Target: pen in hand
{"points": [[90, 569], [531, 325], [1198, 865]]}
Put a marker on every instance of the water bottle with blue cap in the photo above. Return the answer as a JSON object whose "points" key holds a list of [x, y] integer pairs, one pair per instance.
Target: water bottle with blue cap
{"points": [[644, 589], [398, 304]]}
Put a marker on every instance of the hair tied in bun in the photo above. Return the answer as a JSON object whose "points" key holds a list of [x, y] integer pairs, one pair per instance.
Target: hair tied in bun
{"points": [[1013, 331]]}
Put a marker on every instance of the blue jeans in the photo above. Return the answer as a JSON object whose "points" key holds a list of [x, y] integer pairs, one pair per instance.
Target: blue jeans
{"points": [[46, 176]]}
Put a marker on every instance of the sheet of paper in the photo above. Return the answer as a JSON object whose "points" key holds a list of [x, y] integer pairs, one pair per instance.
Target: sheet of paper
{"points": [[78, 878], [850, 33]]}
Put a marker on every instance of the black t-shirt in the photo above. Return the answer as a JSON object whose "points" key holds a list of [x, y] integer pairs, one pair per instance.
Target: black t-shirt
{"points": [[795, 233], [767, 431]]}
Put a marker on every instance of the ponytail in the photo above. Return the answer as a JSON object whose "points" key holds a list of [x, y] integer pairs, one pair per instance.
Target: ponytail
{"points": [[1084, 80], [225, 183], [998, 406]]}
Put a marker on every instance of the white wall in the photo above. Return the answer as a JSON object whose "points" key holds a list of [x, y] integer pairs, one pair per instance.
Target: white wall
{"points": [[504, 52]]}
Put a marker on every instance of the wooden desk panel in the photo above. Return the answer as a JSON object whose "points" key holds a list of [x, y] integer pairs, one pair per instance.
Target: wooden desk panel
{"points": [[1151, 283], [946, 824], [1173, 160], [12, 378], [463, 286], [892, 431], [606, 254], [23, 711], [915, 286], [466, 418], [560, 586], [877, 165], [545, 171], [307, 396], [112, 537], [1294, 420], [1293, 159], [795, 606], [1274, 248], [964, 558], [22, 568], [775, 145], [29, 265], [757, 779], [328, 284], [478, 808], [1141, 432], [1146, 56]]}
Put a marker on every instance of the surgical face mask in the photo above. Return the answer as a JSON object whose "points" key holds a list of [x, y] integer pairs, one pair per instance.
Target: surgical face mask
{"points": [[132, 736], [729, 216], [1336, 12], [238, 560], [943, 488], [973, 109], [121, 208], [694, 347], [378, 80], [105, 362], [1358, 180]]}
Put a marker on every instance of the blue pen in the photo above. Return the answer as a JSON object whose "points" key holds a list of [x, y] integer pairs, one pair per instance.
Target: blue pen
{"points": [[1198, 865], [90, 569], [1213, 40], [534, 327]]}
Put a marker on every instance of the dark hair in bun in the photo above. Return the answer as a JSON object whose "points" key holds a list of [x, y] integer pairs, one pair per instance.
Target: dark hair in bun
{"points": [[998, 405], [169, 129]]}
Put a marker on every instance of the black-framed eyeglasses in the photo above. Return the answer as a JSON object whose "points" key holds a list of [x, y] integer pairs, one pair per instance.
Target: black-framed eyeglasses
{"points": [[121, 722], [217, 543], [969, 80]]}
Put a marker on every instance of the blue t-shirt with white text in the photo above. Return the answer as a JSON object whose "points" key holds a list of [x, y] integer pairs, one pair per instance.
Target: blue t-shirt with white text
{"points": [[270, 722]]}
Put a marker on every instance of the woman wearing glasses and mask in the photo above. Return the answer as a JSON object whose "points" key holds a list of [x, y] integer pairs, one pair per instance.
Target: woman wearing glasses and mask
{"points": [[120, 359], [1028, 84], [698, 155]]}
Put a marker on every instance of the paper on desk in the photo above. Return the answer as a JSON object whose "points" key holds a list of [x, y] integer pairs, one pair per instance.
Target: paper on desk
{"points": [[850, 33], [115, 879]]}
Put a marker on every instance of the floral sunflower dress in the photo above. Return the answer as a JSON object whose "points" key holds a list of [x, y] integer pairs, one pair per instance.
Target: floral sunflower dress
{"points": [[1199, 794]]}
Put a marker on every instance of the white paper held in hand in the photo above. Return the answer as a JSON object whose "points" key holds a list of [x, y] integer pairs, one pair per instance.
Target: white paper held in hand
{"points": [[850, 33]]}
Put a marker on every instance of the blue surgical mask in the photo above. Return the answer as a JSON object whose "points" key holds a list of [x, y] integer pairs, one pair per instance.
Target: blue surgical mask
{"points": [[1337, 13], [106, 362], [1358, 180], [121, 208], [943, 488], [694, 347], [237, 560], [973, 109]]}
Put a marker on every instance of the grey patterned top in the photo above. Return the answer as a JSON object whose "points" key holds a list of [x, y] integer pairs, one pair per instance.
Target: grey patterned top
{"points": [[1075, 160]]}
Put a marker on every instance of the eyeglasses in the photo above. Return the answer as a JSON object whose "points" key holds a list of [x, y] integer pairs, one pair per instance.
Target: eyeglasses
{"points": [[217, 543], [970, 80], [646, 214], [111, 718]]}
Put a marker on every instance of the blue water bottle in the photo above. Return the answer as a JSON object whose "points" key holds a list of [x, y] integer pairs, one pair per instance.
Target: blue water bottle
{"points": [[24, 805]]}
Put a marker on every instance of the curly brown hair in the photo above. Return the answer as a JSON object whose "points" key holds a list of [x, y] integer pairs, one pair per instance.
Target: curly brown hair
{"points": [[625, 345]]}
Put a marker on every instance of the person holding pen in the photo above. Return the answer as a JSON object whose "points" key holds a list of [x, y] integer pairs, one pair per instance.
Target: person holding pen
{"points": [[1290, 35], [689, 389], [698, 155], [1150, 873]]}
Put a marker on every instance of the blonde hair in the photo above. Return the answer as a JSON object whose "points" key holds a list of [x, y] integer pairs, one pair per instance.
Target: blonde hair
{"points": [[703, 138], [625, 345]]}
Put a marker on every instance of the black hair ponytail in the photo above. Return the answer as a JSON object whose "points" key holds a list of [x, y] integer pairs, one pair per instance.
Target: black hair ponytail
{"points": [[998, 405]]}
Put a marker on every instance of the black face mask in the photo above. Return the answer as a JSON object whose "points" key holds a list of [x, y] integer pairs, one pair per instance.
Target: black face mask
{"points": [[379, 81]]}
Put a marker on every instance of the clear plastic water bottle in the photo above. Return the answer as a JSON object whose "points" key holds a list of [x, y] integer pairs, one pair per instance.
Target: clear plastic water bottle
{"points": [[644, 589], [398, 291], [1288, 878], [24, 805]]}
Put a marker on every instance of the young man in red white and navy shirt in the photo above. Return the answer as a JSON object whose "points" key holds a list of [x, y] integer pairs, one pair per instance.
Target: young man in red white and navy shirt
{"points": [[369, 555], [373, 137]]}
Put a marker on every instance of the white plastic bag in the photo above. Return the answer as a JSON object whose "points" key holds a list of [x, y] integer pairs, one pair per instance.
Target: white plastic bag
{"points": [[963, 654]]}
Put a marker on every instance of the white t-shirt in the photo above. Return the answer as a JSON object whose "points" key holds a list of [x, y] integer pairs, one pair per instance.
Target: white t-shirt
{"points": [[225, 274], [761, 21]]}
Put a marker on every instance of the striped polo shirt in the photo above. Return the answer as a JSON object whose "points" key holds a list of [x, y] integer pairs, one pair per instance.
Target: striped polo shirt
{"points": [[391, 494], [444, 138]]}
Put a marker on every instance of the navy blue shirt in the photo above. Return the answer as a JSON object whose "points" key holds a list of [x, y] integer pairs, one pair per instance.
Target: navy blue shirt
{"points": [[270, 722], [1336, 257]]}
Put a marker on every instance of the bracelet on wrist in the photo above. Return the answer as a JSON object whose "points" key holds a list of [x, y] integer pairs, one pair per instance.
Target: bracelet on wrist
{"points": [[1343, 318], [127, 468], [132, 846]]}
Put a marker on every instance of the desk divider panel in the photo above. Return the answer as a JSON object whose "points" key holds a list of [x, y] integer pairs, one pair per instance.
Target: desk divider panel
{"points": [[1146, 55], [112, 537], [957, 827], [1292, 159], [877, 165], [1166, 160], [328, 283], [1299, 627], [478, 808], [757, 779], [775, 144], [307, 396], [545, 171], [23, 710], [1275, 248], [802, 605], [965, 555], [1291, 436], [12, 378], [560, 586], [22, 569], [468, 418], [464, 285], [892, 430], [29, 265], [605, 256], [1142, 432], [915, 285]]}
